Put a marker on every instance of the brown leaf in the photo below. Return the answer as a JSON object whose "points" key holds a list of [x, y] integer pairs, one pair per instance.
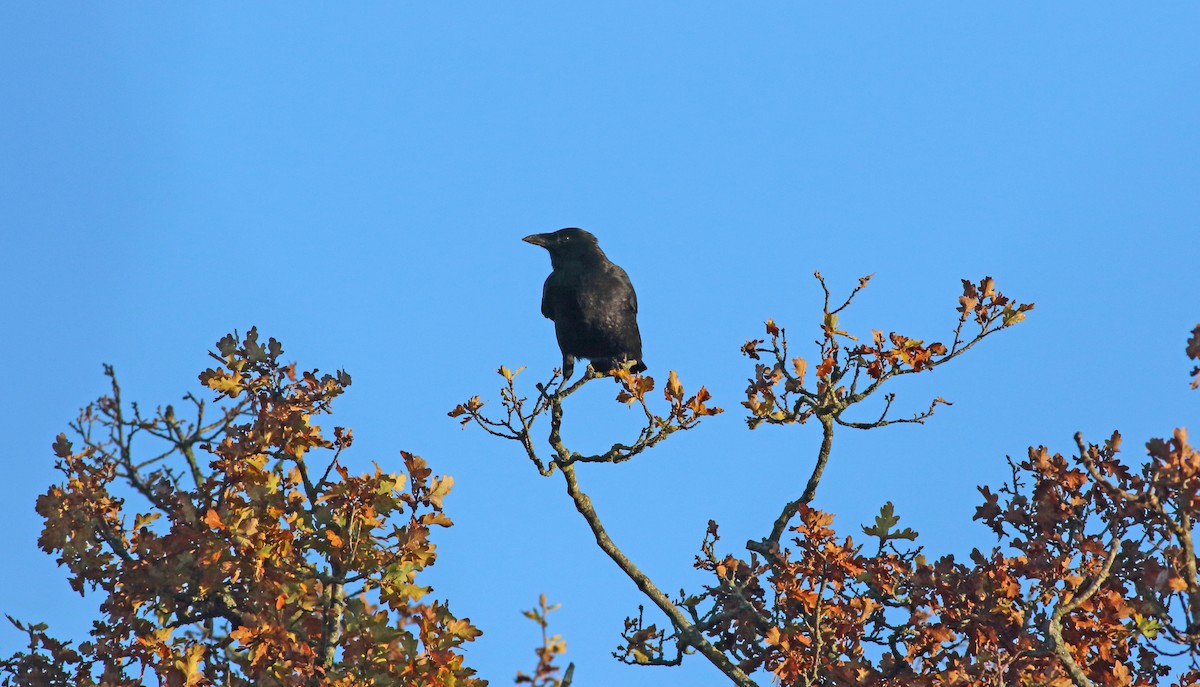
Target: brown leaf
{"points": [[62, 446]]}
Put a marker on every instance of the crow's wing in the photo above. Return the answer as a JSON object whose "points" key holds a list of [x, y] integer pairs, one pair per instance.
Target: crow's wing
{"points": [[548, 299]]}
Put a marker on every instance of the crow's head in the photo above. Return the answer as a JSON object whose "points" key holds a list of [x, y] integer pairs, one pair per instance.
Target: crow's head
{"points": [[566, 244]]}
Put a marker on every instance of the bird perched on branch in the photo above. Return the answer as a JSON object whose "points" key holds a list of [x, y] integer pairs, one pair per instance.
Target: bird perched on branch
{"points": [[591, 302]]}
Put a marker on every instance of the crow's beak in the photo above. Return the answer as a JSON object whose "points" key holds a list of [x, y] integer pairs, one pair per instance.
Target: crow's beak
{"points": [[536, 239]]}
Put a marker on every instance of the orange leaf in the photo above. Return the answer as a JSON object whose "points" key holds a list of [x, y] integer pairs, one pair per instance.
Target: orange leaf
{"points": [[826, 367], [213, 520]]}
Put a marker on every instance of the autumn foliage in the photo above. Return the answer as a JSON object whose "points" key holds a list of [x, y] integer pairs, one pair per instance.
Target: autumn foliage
{"points": [[234, 548], [255, 557]]}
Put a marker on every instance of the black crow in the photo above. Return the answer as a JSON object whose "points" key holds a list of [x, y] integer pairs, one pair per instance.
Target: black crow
{"points": [[591, 301]]}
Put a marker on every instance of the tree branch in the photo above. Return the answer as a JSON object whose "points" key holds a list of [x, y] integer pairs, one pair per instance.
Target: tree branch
{"points": [[1054, 627], [686, 631], [771, 543]]}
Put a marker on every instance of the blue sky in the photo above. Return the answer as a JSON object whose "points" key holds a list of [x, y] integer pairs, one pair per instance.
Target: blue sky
{"points": [[355, 182]]}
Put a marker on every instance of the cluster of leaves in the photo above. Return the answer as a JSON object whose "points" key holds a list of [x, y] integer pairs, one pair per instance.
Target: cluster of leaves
{"points": [[1091, 582], [849, 372], [246, 563], [46, 660]]}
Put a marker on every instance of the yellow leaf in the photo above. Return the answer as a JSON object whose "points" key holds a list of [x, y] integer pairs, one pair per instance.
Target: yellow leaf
{"points": [[674, 388], [141, 520], [219, 380], [441, 486], [189, 665]]}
